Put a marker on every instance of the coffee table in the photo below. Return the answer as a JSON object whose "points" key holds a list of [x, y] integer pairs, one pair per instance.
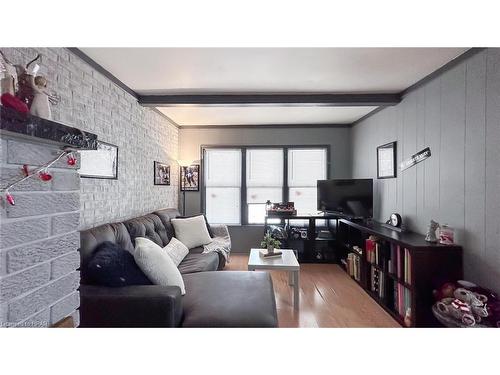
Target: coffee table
{"points": [[287, 262]]}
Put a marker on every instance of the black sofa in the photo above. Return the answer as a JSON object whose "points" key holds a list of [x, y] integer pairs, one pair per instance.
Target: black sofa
{"points": [[212, 299]]}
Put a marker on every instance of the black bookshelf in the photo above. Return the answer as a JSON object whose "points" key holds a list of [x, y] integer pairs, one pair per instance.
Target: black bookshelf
{"points": [[407, 279], [312, 249]]}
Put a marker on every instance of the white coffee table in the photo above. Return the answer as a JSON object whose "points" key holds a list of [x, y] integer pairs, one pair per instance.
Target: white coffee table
{"points": [[287, 262]]}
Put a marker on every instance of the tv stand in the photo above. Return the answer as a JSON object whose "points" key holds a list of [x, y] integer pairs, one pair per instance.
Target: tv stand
{"points": [[306, 234]]}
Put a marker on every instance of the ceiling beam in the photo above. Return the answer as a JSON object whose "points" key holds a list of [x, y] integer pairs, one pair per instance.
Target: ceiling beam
{"points": [[275, 100]]}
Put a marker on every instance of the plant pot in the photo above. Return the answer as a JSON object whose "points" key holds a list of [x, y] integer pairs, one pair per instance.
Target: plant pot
{"points": [[270, 249]]}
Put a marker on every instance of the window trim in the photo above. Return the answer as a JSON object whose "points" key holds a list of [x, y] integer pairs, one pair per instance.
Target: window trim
{"points": [[243, 148]]}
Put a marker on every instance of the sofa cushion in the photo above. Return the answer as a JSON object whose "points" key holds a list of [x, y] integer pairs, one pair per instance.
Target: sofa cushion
{"points": [[157, 264], [196, 250], [176, 250], [192, 231], [148, 226], [113, 266], [91, 238], [209, 228], [229, 299], [199, 263], [165, 216]]}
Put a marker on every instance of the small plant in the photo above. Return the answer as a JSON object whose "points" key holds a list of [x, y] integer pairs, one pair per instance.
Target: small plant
{"points": [[269, 241]]}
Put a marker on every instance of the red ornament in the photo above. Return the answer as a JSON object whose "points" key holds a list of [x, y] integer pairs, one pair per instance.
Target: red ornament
{"points": [[71, 160], [26, 171], [45, 176], [10, 199], [10, 101]]}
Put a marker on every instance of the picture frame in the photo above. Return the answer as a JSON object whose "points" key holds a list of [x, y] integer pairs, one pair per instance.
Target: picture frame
{"points": [[101, 163], [190, 177], [386, 160], [161, 173]]}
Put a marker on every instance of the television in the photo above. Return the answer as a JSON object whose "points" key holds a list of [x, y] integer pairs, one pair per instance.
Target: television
{"points": [[351, 198]]}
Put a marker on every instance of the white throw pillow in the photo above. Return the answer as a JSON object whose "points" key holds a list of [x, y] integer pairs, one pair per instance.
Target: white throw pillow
{"points": [[176, 250], [192, 231], [157, 264]]}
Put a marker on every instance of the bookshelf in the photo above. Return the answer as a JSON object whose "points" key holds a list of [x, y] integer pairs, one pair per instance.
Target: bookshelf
{"points": [[310, 248], [398, 270]]}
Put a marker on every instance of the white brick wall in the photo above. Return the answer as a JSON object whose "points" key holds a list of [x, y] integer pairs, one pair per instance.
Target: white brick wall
{"points": [[39, 239], [39, 235], [92, 102]]}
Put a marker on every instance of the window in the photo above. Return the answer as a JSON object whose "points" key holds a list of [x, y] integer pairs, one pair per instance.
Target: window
{"points": [[264, 181], [239, 180], [305, 168], [223, 185]]}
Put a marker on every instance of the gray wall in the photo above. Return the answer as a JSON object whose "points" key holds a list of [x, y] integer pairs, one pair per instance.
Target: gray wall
{"points": [[190, 141], [92, 102], [457, 115]]}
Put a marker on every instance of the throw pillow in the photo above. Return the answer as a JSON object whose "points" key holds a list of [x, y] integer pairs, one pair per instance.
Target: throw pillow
{"points": [[157, 264], [192, 231], [210, 232], [113, 266], [176, 250]]}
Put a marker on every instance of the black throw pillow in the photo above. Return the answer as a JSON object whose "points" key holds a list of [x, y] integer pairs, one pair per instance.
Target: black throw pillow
{"points": [[113, 266], [210, 233]]}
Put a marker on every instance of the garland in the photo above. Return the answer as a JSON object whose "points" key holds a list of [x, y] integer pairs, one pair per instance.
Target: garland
{"points": [[41, 172]]}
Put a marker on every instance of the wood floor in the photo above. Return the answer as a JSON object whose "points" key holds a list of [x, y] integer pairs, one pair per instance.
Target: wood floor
{"points": [[328, 298]]}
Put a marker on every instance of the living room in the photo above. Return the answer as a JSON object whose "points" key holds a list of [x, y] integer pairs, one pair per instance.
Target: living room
{"points": [[253, 185]]}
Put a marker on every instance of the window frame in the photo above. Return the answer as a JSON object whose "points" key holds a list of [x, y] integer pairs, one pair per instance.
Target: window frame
{"points": [[243, 196]]}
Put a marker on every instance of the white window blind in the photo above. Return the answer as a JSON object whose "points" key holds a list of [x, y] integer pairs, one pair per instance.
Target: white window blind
{"points": [[264, 181], [223, 186], [305, 168]]}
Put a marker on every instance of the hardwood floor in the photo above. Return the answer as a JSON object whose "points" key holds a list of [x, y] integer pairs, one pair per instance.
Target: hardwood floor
{"points": [[328, 298]]}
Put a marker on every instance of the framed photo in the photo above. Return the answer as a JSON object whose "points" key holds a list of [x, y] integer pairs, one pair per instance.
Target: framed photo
{"points": [[190, 178], [100, 163], [386, 160], [161, 173]]}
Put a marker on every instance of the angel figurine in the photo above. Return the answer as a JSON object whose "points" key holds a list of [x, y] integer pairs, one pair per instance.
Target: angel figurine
{"points": [[431, 232], [8, 82], [42, 98]]}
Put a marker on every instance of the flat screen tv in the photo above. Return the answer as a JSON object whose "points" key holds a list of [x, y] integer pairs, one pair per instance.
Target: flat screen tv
{"points": [[350, 198]]}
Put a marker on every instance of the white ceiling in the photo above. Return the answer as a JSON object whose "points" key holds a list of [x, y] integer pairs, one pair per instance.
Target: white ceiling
{"points": [[269, 70], [204, 116]]}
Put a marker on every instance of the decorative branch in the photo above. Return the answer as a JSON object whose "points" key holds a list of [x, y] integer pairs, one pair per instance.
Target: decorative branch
{"points": [[32, 61]]}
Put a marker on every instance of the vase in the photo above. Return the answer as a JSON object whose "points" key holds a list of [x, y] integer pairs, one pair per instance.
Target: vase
{"points": [[270, 249]]}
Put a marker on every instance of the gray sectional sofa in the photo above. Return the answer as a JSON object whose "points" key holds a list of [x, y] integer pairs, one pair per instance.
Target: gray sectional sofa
{"points": [[213, 298]]}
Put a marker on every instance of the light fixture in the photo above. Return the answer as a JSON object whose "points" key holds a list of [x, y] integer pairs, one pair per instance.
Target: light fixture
{"points": [[182, 164]]}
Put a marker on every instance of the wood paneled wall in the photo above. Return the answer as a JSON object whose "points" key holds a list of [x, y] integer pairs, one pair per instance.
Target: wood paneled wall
{"points": [[457, 115]]}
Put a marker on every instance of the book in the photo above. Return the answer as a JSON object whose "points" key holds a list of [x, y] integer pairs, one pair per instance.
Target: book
{"points": [[370, 249], [398, 257], [264, 254], [409, 268]]}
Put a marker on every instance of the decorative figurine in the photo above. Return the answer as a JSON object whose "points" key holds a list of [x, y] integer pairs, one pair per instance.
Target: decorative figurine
{"points": [[40, 106], [8, 79], [431, 232], [30, 89]]}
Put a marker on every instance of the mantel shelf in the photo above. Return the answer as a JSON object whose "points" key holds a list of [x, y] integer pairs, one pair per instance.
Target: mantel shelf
{"points": [[39, 129]]}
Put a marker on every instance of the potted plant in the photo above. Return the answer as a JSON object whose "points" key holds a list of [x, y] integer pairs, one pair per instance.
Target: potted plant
{"points": [[270, 243]]}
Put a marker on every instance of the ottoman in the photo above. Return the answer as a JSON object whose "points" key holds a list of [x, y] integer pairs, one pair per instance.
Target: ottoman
{"points": [[229, 299]]}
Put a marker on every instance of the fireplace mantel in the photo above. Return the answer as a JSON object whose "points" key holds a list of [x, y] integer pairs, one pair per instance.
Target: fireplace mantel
{"points": [[35, 128]]}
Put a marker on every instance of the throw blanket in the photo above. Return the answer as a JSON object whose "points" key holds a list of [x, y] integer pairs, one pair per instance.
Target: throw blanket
{"points": [[221, 243]]}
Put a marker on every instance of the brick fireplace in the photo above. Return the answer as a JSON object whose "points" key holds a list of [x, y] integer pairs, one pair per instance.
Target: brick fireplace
{"points": [[39, 236]]}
